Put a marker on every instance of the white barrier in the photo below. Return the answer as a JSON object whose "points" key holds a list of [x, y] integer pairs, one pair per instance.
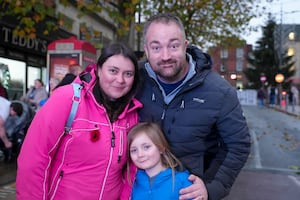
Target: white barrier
{"points": [[247, 97]]}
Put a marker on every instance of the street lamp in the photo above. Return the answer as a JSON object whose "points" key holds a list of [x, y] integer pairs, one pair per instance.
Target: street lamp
{"points": [[233, 76], [279, 78]]}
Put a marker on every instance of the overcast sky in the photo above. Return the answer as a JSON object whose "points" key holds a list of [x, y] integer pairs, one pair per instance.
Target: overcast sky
{"points": [[290, 14]]}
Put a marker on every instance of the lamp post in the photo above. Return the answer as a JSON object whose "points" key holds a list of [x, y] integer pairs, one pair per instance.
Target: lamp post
{"points": [[279, 78]]}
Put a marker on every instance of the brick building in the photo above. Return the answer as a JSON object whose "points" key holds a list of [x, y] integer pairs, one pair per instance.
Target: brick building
{"points": [[230, 63]]}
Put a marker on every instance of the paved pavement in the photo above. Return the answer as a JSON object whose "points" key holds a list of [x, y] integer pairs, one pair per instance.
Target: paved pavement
{"points": [[8, 192], [291, 110], [7, 179], [265, 185]]}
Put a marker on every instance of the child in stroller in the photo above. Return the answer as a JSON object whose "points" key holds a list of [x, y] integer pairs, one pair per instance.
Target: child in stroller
{"points": [[16, 127]]}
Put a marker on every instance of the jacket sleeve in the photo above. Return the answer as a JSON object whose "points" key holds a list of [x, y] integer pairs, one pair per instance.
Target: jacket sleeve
{"points": [[234, 151], [43, 133]]}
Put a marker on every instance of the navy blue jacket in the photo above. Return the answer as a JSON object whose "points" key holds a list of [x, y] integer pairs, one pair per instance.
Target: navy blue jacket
{"points": [[203, 123]]}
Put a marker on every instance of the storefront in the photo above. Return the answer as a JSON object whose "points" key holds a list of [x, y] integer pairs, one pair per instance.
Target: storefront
{"points": [[22, 60]]}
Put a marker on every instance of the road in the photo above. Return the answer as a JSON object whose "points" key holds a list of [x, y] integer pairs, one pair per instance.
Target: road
{"points": [[275, 140], [273, 166], [271, 170]]}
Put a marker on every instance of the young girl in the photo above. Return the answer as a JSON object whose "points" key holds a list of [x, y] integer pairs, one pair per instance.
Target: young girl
{"points": [[156, 177]]}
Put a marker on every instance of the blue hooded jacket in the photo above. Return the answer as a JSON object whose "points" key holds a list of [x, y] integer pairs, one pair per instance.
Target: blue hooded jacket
{"points": [[160, 187]]}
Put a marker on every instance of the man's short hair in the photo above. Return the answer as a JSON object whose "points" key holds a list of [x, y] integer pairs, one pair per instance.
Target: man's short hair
{"points": [[17, 107]]}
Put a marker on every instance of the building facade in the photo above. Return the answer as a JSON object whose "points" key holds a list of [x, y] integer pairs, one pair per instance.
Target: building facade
{"points": [[230, 64], [23, 59], [287, 41]]}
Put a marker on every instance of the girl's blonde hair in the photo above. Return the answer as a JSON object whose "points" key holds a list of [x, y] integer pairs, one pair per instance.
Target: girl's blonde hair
{"points": [[156, 135]]}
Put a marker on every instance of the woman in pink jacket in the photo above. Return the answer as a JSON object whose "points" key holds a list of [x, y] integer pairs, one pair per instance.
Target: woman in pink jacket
{"points": [[88, 161]]}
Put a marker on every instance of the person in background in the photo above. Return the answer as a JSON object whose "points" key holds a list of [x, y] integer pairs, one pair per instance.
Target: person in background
{"points": [[4, 113], [261, 97], [74, 70], [88, 160], [272, 95], [295, 95], [8, 109], [159, 174], [197, 109], [35, 94], [3, 91], [53, 83]]}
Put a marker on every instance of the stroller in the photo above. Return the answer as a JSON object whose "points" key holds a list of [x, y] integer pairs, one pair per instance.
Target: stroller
{"points": [[16, 128]]}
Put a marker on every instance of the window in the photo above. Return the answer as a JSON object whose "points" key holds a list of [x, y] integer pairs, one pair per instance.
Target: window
{"points": [[224, 53], [291, 52], [239, 53], [291, 36], [222, 68], [239, 65]]}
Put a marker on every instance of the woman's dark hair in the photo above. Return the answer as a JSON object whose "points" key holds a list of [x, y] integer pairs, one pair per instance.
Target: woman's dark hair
{"points": [[115, 108]]}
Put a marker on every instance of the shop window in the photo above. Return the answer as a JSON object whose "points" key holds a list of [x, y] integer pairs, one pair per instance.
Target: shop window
{"points": [[35, 73], [14, 73]]}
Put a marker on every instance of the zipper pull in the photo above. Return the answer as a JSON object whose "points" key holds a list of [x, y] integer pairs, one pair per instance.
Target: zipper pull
{"points": [[61, 174], [163, 115], [113, 139], [182, 104]]}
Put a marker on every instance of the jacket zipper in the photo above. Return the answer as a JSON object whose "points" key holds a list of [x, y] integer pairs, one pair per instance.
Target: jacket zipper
{"points": [[113, 137], [61, 174], [120, 146]]}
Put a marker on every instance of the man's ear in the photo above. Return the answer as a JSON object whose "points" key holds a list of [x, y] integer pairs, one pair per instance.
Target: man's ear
{"points": [[146, 51]]}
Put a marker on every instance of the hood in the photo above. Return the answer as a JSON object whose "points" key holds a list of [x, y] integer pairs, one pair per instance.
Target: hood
{"points": [[88, 77], [203, 60]]}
